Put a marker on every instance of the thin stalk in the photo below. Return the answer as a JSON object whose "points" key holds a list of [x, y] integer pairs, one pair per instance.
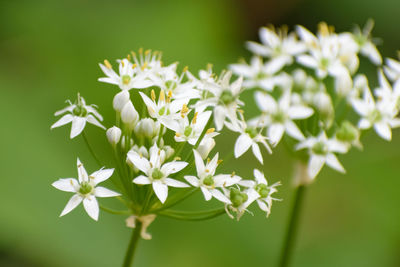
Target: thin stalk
{"points": [[292, 227], [192, 216], [116, 212], [130, 252], [90, 149]]}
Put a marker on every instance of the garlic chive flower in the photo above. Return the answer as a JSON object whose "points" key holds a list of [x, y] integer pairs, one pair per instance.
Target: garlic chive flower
{"points": [[208, 182], [322, 150], [78, 114], [156, 172], [86, 190], [261, 187]]}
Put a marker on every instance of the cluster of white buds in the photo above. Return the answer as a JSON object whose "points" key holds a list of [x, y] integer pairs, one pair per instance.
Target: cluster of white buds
{"points": [[309, 87], [166, 143]]}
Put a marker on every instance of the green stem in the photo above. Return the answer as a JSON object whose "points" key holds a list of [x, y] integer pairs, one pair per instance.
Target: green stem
{"points": [[116, 212], [130, 252], [292, 226], [192, 216], [175, 200], [90, 149]]}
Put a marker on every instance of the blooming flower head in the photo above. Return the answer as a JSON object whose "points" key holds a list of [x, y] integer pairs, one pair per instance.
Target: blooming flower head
{"points": [[208, 181], [78, 114], [265, 191], [156, 172], [86, 190]]}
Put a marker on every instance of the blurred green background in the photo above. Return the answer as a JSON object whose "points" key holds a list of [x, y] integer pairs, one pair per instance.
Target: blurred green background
{"points": [[49, 50]]}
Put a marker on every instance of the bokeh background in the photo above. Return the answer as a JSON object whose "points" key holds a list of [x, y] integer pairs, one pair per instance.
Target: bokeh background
{"points": [[49, 50]]}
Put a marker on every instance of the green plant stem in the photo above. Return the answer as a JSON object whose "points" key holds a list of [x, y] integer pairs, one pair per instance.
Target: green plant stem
{"points": [[292, 226], [116, 212], [90, 149], [192, 216], [130, 252]]}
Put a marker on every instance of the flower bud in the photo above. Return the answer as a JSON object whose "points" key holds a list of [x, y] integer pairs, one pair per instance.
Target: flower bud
{"points": [[205, 147], [147, 128], [129, 115], [120, 100], [169, 151], [113, 135]]}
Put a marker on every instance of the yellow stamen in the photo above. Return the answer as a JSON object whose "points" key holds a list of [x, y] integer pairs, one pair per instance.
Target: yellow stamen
{"points": [[233, 174], [211, 130], [194, 120], [128, 57], [162, 96], [134, 66], [153, 95], [141, 50], [107, 64], [147, 52], [184, 110], [144, 66], [122, 63], [177, 158], [219, 161], [133, 54], [177, 134], [185, 69]]}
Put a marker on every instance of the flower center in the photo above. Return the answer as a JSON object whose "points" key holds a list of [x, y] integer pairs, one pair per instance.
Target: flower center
{"points": [[126, 79], [188, 130], [237, 198], [347, 132], [279, 116], [226, 97], [252, 132], [80, 111], [375, 116], [262, 189], [85, 188], [171, 84], [209, 180], [320, 148], [157, 174]]}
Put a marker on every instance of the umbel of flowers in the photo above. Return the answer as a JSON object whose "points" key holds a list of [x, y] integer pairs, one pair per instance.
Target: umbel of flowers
{"points": [[163, 142], [312, 95]]}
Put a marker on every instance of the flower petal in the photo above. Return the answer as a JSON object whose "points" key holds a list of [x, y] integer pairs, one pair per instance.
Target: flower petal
{"points": [[192, 180], [101, 175], [140, 162], [78, 124], [73, 202], [315, 165], [104, 192], [141, 179], [173, 167], [333, 162], [175, 183], [92, 207], [64, 120], [206, 193], [257, 153], [220, 196], [242, 144], [161, 190], [67, 185]]}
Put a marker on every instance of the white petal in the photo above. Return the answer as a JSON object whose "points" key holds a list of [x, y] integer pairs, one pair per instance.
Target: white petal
{"points": [[265, 102], [219, 117], [101, 175], [218, 195], [206, 193], [78, 124], [92, 207], [82, 174], [275, 133], [104, 192], [140, 162], [315, 165], [192, 180], [141, 179], [64, 120], [200, 168], [293, 130], [67, 185], [91, 119], [173, 167], [383, 130], [175, 183], [161, 191], [364, 124], [242, 144], [333, 162], [73, 202], [259, 176], [257, 153], [300, 112]]}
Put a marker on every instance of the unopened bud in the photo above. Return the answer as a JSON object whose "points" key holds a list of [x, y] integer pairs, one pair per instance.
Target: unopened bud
{"points": [[113, 135], [146, 127], [129, 115], [120, 100], [169, 151], [205, 147]]}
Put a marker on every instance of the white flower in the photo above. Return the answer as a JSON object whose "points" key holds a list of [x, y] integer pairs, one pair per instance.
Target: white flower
{"points": [[130, 75], [206, 145], [279, 47], [78, 114], [224, 97], [265, 191], [241, 199], [208, 181], [129, 115], [256, 74], [366, 45], [86, 190], [249, 137], [279, 116], [381, 115], [156, 173], [147, 127], [392, 69], [120, 100], [321, 150]]}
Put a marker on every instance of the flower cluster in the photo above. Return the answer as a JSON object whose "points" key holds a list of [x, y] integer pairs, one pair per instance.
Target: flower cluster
{"points": [[169, 143], [312, 95]]}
